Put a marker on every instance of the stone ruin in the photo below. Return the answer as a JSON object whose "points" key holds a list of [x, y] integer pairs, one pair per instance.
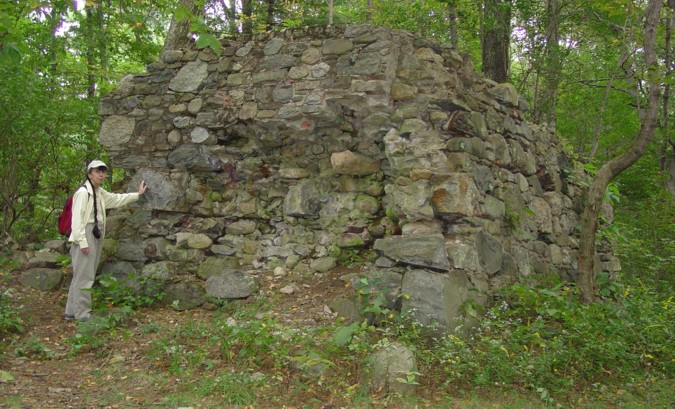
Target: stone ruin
{"points": [[303, 149]]}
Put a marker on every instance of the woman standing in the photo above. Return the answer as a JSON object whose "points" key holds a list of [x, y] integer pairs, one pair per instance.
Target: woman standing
{"points": [[88, 230]]}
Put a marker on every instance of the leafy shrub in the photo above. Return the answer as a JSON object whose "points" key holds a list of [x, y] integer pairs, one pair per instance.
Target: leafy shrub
{"points": [[34, 349], [646, 245], [255, 342], [130, 293], [10, 320], [547, 340]]}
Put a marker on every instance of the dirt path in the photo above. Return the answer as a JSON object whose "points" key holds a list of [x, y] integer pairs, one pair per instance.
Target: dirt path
{"points": [[46, 374]]}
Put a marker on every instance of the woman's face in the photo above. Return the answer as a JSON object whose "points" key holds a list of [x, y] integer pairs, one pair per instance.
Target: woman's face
{"points": [[97, 176]]}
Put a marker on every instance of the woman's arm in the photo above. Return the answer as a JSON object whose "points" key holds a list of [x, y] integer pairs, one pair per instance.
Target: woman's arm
{"points": [[113, 200]]}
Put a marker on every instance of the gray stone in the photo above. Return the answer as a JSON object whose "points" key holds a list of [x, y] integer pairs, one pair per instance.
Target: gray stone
{"points": [[56, 246], [269, 76], [369, 64], [493, 207], [413, 125], [215, 265], [349, 240], [543, 215], [223, 250], [522, 161], [171, 56], [323, 264], [350, 163], [190, 77], [403, 92], [193, 157], [462, 254], [380, 282], [199, 135], [337, 46], [311, 56], [420, 251], [105, 108], [43, 259], [298, 72], [367, 205], [42, 279], [434, 298], [490, 252], [161, 194], [241, 228], [456, 196], [294, 173], [248, 111], [118, 269], [163, 270], [116, 131], [302, 199], [282, 93], [390, 370], [484, 179], [319, 70], [131, 161], [198, 241], [348, 308], [278, 61], [184, 296], [422, 227], [273, 46], [230, 284], [195, 106], [506, 94], [422, 150], [409, 202]]}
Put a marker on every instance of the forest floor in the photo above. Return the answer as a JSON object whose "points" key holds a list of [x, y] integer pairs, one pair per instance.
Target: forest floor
{"points": [[149, 361], [47, 375]]}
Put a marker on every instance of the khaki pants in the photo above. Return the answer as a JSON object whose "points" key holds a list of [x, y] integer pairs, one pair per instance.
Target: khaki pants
{"points": [[84, 273]]}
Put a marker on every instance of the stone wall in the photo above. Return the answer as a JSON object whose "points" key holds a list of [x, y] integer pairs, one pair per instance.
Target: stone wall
{"points": [[301, 148]]}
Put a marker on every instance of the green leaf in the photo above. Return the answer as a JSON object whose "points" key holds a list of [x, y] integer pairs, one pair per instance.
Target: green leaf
{"points": [[5, 377], [343, 335], [209, 40]]}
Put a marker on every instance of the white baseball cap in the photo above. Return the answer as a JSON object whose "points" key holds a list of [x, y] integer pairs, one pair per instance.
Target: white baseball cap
{"points": [[95, 164]]}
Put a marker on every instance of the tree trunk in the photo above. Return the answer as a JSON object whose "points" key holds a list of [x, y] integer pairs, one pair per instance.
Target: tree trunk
{"points": [[247, 11], [90, 53], [496, 39], [595, 194], [103, 59], [544, 110], [670, 185], [178, 36], [369, 11], [230, 13], [452, 20], [270, 15], [330, 12], [668, 147]]}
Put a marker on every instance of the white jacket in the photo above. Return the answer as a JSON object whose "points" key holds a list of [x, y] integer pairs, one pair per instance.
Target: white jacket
{"points": [[83, 210]]}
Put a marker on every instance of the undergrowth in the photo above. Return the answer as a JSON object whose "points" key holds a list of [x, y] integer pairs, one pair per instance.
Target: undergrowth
{"points": [[537, 339], [549, 342]]}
